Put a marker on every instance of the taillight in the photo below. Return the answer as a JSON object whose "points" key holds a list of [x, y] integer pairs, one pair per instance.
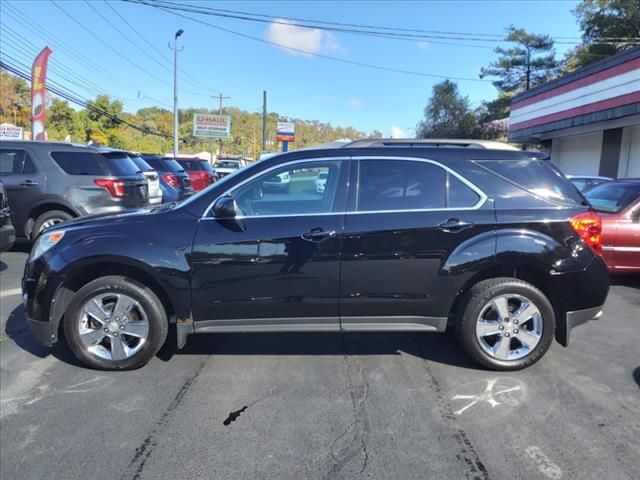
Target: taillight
{"points": [[171, 179], [115, 187], [589, 226], [206, 177]]}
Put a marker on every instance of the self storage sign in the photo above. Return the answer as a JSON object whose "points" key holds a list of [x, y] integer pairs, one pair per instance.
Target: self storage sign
{"points": [[211, 126]]}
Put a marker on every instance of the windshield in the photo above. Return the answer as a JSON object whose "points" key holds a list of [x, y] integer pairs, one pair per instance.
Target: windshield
{"points": [[227, 165], [612, 197]]}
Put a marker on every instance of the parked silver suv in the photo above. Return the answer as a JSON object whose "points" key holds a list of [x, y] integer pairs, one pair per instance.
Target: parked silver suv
{"points": [[50, 182]]}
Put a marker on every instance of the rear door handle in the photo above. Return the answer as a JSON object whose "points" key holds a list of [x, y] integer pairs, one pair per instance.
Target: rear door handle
{"points": [[318, 235], [29, 183], [454, 225]]}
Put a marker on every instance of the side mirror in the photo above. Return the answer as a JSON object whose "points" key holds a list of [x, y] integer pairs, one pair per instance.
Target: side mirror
{"points": [[225, 207]]}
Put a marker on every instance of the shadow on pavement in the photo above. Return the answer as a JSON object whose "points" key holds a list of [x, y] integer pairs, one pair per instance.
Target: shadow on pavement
{"points": [[636, 375], [3, 266], [435, 347], [626, 280], [23, 246], [18, 330]]}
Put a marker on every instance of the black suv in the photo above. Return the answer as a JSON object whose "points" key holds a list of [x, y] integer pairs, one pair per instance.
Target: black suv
{"points": [[404, 236], [50, 182]]}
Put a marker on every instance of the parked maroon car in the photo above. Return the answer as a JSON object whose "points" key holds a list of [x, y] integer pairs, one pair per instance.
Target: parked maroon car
{"points": [[618, 203], [200, 172]]}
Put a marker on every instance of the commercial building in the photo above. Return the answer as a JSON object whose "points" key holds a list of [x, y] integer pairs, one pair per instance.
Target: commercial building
{"points": [[589, 120]]}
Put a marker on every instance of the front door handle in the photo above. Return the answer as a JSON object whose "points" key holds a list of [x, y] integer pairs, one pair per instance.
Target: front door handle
{"points": [[29, 183], [454, 225], [318, 235]]}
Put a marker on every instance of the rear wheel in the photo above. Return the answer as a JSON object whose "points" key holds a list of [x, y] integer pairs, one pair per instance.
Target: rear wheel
{"points": [[49, 219], [115, 323], [505, 324]]}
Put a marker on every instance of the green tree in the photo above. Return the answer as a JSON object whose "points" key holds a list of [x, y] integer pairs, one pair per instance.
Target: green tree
{"points": [[608, 27], [61, 119], [529, 62], [15, 101], [447, 115]]}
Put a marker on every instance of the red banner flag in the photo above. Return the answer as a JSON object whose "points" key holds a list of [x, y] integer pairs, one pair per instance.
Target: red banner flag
{"points": [[38, 91]]}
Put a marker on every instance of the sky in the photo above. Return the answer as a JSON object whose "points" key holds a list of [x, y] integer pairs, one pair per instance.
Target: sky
{"points": [[90, 56]]}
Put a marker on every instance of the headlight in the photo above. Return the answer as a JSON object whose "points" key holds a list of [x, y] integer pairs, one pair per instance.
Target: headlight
{"points": [[45, 242]]}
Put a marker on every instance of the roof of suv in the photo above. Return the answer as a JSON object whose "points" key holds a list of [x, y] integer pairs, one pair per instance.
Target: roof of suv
{"points": [[452, 153], [34, 143], [429, 142]]}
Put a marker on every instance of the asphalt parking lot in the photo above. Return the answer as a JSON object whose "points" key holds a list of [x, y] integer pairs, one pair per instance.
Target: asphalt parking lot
{"points": [[392, 405]]}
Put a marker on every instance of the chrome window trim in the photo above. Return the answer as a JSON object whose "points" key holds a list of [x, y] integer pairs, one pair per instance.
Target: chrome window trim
{"points": [[482, 200]]}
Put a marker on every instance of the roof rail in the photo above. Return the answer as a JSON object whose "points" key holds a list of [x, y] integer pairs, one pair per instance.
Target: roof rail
{"points": [[429, 142]]}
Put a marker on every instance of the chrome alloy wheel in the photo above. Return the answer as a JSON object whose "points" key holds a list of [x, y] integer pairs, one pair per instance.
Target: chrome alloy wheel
{"points": [[113, 326], [509, 327], [50, 223]]}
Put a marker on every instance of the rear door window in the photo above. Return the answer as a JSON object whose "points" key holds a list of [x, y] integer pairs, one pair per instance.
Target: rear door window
{"points": [[537, 176], [15, 162], [410, 185]]}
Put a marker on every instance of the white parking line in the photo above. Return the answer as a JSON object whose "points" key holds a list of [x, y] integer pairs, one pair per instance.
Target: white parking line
{"points": [[10, 292]]}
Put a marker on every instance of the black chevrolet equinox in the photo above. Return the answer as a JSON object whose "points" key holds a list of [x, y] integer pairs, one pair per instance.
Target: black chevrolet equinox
{"points": [[375, 236]]}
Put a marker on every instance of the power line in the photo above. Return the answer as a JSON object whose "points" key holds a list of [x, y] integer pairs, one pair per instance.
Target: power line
{"points": [[388, 32], [127, 59], [320, 55], [124, 35], [193, 80], [54, 66], [77, 100], [82, 60]]}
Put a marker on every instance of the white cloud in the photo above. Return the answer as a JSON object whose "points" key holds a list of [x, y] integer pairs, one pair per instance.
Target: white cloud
{"points": [[354, 103], [397, 132], [309, 40], [423, 45]]}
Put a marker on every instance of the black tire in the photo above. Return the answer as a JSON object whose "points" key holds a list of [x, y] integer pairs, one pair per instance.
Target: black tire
{"points": [[472, 305], [56, 215], [153, 308]]}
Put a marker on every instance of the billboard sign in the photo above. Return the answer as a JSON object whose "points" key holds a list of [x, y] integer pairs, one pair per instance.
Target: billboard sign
{"points": [[286, 132], [10, 132], [211, 126]]}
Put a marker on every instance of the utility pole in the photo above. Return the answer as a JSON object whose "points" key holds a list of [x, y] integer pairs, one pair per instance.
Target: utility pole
{"points": [[175, 91], [221, 98], [264, 120]]}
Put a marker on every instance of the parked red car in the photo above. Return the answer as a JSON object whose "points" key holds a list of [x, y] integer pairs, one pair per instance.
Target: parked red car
{"points": [[200, 172], [618, 203]]}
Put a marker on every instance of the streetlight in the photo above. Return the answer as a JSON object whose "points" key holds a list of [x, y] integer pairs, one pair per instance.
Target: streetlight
{"points": [[175, 91]]}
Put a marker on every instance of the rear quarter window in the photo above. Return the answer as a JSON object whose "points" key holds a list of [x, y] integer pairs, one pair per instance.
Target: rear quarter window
{"points": [[80, 163], [92, 163], [539, 177]]}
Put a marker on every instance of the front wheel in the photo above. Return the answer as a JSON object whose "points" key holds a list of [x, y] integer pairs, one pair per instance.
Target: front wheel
{"points": [[48, 219], [505, 324], [115, 323]]}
